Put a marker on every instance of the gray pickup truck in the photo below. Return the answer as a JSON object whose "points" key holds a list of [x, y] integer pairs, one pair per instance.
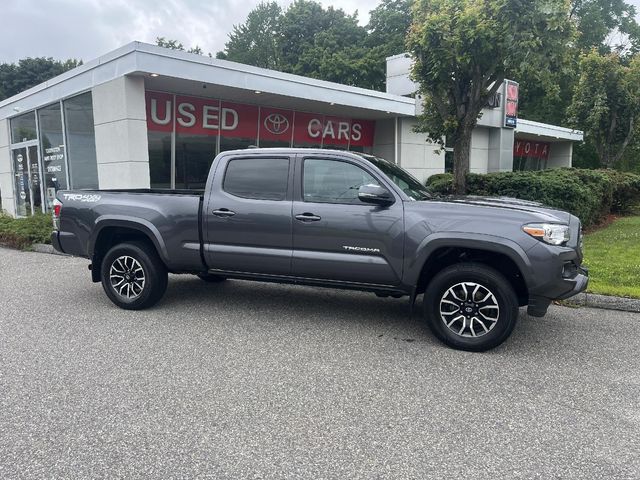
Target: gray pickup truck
{"points": [[332, 219]]}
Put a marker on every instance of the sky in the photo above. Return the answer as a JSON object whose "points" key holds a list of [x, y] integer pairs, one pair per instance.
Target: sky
{"points": [[86, 29]]}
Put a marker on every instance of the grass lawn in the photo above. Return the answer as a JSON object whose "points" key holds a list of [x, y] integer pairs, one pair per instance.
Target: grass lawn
{"points": [[612, 255]]}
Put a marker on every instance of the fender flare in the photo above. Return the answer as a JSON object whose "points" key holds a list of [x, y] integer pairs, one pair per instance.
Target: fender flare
{"points": [[476, 241], [143, 226]]}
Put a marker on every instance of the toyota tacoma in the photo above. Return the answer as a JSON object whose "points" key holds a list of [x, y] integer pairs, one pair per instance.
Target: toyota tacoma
{"points": [[332, 219]]}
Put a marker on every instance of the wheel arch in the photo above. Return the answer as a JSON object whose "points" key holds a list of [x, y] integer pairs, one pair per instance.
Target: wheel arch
{"points": [[111, 231], [500, 254]]}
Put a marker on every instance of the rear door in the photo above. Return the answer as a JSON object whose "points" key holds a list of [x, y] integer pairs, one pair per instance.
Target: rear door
{"points": [[247, 218], [335, 235]]}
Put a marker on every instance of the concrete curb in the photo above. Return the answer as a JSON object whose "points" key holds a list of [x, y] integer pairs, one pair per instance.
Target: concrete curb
{"points": [[44, 248], [591, 300], [606, 302]]}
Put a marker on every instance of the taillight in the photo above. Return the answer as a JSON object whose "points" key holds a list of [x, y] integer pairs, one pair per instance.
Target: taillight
{"points": [[57, 209]]}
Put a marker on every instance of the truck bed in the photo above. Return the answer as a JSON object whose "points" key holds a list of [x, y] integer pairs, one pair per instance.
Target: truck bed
{"points": [[171, 218]]}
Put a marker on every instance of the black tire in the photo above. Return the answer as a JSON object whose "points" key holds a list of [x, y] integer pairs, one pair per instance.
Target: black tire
{"points": [[210, 278], [145, 293], [483, 326]]}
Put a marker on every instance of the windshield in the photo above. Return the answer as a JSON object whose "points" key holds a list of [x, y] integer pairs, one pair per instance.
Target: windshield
{"points": [[403, 179]]}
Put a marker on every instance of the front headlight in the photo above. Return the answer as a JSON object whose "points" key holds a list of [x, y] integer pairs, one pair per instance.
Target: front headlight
{"points": [[550, 233]]}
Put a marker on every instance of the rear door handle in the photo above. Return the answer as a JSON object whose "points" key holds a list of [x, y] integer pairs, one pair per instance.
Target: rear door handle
{"points": [[223, 212], [308, 217]]}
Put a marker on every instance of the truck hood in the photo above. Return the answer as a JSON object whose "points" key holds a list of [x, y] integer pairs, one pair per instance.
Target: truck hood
{"points": [[512, 204]]}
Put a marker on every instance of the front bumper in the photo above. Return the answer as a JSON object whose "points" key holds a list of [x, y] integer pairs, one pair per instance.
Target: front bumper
{"points": [[560, 290]]}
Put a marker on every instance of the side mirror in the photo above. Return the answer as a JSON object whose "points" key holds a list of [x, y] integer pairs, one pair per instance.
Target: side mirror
{"points": [[375, 194]]}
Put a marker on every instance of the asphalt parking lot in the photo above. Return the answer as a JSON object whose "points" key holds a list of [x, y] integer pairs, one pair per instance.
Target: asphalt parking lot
{"points": [[247, 380]]}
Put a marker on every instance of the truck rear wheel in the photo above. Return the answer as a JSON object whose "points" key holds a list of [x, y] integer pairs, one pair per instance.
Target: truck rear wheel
{"points": [[133, 276], [470, 306]]}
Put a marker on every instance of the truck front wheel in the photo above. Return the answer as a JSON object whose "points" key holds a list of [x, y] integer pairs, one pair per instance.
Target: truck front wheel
{"points": [[133, 276], [470, 306]]}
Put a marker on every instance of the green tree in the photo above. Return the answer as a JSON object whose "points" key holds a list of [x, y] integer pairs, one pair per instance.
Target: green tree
{"points": [[256, 41], [606, 103], [309, 40], [464, 49], [176, 45], [605, 25], [324, 43], [29, 72], [388, 26]]}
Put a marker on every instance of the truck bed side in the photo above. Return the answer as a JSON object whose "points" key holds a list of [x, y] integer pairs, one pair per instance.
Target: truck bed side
{"points": [[91, 220]]}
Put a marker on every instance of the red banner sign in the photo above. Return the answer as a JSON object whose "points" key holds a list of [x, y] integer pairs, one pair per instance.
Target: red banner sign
{"points": [[204, 116], [511, 104], [531, 149]]}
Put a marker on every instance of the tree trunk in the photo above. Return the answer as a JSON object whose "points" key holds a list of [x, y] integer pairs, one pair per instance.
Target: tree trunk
{"points": [[461, 153]]}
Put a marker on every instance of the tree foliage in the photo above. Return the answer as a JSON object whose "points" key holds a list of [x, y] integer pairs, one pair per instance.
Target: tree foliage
{"points": [[325, 43], [464, 49], [176, 45], [29, 72], [604, 25], [255, 42], [388, 26], [606, 103]]}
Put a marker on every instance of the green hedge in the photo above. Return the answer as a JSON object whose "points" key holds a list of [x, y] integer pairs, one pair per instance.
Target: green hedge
{"points": [[24, 232], [588, 194], [626, 192]]}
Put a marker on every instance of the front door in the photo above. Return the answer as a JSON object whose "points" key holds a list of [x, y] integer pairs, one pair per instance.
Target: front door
{"points": [[247, 218], [338, 237], [28, 184]]}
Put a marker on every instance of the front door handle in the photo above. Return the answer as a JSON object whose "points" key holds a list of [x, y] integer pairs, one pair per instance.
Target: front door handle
{"points": [[223, 212], [308, 217]]}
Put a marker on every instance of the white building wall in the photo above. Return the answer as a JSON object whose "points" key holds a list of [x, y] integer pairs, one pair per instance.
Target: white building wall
{"points": [[560, 155], [119, 117], [500, 154], [418, 156], [384, 139], [479, 157], [6, 177], [398, 81]]}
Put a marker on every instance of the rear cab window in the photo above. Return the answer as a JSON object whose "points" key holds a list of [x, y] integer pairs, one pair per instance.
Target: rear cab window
{"points": [[257, 178]]}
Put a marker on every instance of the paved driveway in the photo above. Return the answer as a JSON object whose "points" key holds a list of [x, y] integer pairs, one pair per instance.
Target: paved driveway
{"points": [[247, 380]]}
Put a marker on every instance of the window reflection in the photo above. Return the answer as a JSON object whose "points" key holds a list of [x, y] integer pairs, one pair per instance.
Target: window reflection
{"points": [[83, 168]]}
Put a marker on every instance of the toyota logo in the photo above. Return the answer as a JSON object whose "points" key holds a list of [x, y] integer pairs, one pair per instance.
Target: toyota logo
{"points": [[276, 123]]}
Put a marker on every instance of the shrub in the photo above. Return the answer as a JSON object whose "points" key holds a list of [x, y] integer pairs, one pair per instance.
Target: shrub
{"points": [[24, 232], [440, 183], [588, 194], [626, 190]]}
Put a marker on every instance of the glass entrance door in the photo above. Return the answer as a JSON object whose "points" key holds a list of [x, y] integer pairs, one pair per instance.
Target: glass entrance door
{"points": [[28, 184]]}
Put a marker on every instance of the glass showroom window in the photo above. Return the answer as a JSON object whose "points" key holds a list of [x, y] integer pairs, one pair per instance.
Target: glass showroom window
{"points": [[160, 159], [245, 127], [23, 128], [26, 167], [194, 155], [52, 149], [276, 127], [81, 138]]}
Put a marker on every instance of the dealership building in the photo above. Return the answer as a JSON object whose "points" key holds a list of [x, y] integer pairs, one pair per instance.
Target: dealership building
{"points": [[148, 117]]}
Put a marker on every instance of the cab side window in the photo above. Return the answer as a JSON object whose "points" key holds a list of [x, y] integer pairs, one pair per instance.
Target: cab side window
{"points": [[257, 178], [333, 181]]}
